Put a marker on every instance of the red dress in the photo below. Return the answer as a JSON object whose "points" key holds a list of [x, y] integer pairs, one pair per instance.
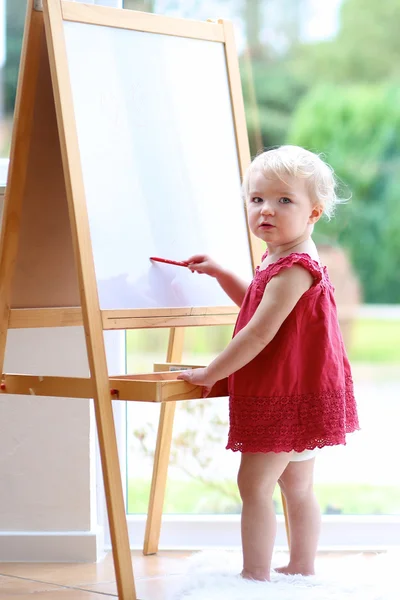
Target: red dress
{"points": [[297, 394]]}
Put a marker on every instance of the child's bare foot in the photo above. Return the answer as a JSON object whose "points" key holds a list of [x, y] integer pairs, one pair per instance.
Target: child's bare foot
{"points": [[254, 576], [293, 570]]}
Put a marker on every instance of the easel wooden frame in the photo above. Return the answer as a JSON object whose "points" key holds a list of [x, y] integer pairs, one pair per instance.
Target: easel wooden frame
{"points": [[44, 53]]}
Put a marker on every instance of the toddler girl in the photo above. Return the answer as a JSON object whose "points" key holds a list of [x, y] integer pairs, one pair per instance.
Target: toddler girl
{"points": [[290, 384]]}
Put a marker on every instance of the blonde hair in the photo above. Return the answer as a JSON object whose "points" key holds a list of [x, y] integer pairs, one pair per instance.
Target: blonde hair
{"points": [[298, 162]]}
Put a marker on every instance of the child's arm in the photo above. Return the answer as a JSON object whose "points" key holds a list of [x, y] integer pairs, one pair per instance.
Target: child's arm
{"points": [[230, 283], [280, 297]]}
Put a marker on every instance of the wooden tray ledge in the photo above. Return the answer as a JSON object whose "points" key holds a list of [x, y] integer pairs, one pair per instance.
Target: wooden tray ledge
{"points": [[144, 387]]}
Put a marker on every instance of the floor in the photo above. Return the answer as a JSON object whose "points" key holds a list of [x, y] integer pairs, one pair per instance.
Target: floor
{"points": [[155, 576]]}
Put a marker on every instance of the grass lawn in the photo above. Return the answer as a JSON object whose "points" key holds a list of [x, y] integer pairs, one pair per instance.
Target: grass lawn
{"points": [[376, 341], [193, 497]]}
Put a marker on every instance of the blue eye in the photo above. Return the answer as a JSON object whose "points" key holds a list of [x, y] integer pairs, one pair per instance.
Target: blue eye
{"points": [[257, 200], [285, 200]]}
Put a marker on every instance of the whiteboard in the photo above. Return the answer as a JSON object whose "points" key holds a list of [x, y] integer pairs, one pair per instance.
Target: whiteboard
{"points": [[160, 164]]}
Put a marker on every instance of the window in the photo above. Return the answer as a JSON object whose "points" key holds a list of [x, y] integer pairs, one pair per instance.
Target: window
{"points": [[12, 20], [12, 15], [308, 78], [322, 75]]}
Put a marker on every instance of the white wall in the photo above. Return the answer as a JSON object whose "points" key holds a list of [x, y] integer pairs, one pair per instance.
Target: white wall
{"points": [[51, 494], [47, 509], [50, 481], [50, 484]]}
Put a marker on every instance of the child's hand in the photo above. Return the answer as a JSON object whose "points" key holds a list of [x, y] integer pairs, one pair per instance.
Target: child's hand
{"points": [[201, 263], [198, 377]]}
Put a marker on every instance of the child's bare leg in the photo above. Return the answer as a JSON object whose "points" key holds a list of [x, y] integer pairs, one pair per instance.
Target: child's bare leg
{"points": [[304, 516], [257, 478]]}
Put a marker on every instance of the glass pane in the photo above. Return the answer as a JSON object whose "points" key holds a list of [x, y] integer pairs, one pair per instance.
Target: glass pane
{"points": [[144, 348], [324, 76], [12, 18]]}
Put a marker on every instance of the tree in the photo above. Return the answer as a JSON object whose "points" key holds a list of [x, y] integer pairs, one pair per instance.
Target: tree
{"points": [[270, 103], [364, 49], [15, 16], [358, 130]]}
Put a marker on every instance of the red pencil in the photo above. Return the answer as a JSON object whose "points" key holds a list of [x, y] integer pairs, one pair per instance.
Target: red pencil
{"points": [[170, 262]]}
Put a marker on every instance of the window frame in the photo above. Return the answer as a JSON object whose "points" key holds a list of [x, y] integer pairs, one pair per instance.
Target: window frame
{"points": [[195, 532], [200, 532]]}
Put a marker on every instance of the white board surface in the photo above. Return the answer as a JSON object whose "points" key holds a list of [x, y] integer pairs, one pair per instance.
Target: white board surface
{"points": [[159, 161]]}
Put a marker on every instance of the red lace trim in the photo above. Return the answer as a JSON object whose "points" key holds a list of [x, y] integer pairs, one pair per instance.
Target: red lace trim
{"points": [[286, 423], [286, 262]]}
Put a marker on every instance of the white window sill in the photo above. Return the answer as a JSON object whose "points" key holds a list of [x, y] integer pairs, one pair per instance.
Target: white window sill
{"points": [[198, 532]]}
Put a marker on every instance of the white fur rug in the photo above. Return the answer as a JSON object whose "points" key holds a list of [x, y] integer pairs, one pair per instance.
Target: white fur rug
{"points": [[215, 576]]}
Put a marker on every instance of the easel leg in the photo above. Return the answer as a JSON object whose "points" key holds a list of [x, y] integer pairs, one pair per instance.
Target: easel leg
{"points": [[92, 320], [114, 494], [162, 453]]}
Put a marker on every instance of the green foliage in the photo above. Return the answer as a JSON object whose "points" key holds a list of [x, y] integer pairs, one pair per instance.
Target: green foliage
{"points": [[270, 103], [352, 115], [363, 50], [185, 497], [142, 5], [369, 38], [15, 28], [375, 342], [357, 128], [358, 499], [198, 340], [195, 497]]}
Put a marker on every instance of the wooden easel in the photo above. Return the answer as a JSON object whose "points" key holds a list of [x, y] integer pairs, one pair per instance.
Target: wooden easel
{"points": [[47, 275]]}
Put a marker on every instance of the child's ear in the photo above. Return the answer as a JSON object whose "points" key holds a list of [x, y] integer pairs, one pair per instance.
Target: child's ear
{"points": [[316, 213]]}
